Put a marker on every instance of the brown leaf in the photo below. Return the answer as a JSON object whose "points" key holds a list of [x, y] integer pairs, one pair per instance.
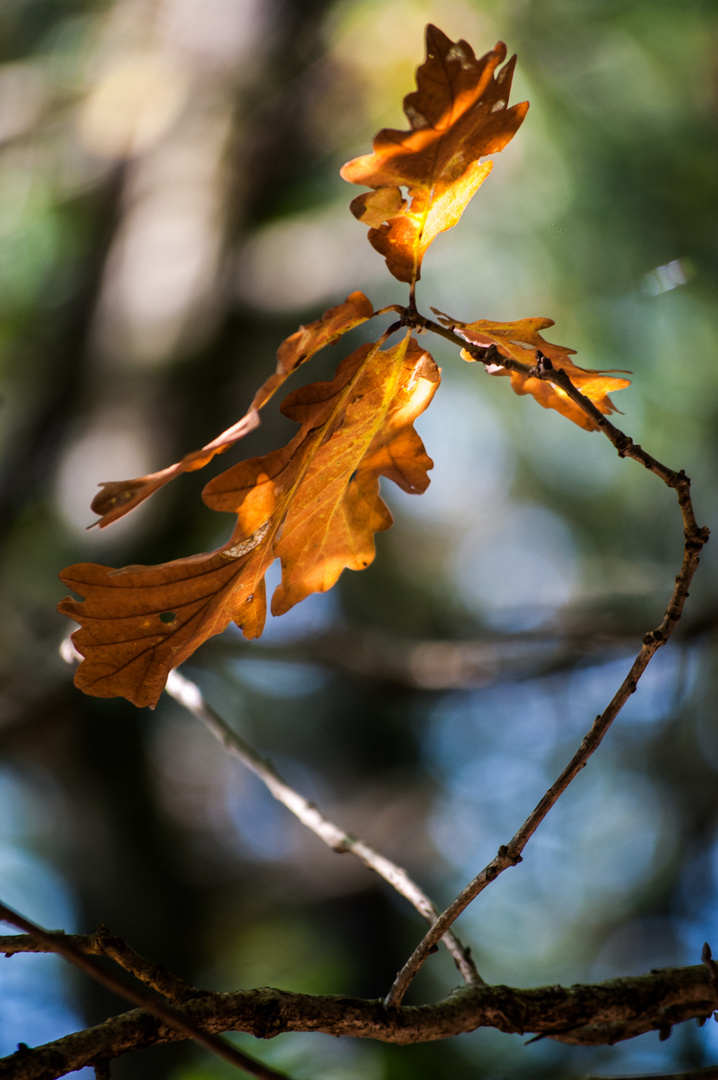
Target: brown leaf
{"points": [[140, 622], [314, 504], [118, 497], [520, 340], [458, 114]]}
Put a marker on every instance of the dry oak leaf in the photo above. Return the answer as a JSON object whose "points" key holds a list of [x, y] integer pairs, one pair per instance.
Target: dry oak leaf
{"points": [[313, 503], [118, 497], [458, 114], [520, 340]]}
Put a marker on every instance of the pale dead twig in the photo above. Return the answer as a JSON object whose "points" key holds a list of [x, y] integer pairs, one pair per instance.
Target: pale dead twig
{"points": [[189, 695]]}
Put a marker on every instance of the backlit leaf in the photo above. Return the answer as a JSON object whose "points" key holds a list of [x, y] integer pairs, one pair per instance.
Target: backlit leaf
{"points": [[520, 340], [118, 497], [458, 114], [314, 504]]}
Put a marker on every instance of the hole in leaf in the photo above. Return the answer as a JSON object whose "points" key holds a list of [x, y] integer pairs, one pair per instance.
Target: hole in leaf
{"points": [[167, 617]]}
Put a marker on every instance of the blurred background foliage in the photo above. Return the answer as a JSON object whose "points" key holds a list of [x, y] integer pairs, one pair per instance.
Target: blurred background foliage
{"points": [[170, 210]]}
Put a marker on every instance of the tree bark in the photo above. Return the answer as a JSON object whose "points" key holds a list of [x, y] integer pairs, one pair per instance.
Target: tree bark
{"points": [[588, 1015]]}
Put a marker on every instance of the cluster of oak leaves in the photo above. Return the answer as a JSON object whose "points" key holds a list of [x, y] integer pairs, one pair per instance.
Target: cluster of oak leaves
{"points": [[314, 503]]}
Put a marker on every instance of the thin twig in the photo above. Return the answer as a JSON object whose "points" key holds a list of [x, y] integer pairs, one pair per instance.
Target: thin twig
{"points": [[104, 943], [189, 695], [61, 944], [695, 538]]}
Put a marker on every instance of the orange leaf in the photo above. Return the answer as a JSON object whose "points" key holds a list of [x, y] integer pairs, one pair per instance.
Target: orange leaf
{"points": [[458, 114], [118, 497], [314, 504], [520, 340]]}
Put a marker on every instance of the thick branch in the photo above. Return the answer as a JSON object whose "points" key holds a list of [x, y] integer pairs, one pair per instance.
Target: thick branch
{"points": [[600, 1014]]}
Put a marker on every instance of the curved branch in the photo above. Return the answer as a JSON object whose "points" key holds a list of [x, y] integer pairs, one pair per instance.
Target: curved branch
{"points": [[588, 1015], [695, 538]]}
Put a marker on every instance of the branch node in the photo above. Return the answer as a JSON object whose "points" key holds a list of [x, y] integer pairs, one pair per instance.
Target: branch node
{"points": [[707, 958], [505, 854], [624, 445]]}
